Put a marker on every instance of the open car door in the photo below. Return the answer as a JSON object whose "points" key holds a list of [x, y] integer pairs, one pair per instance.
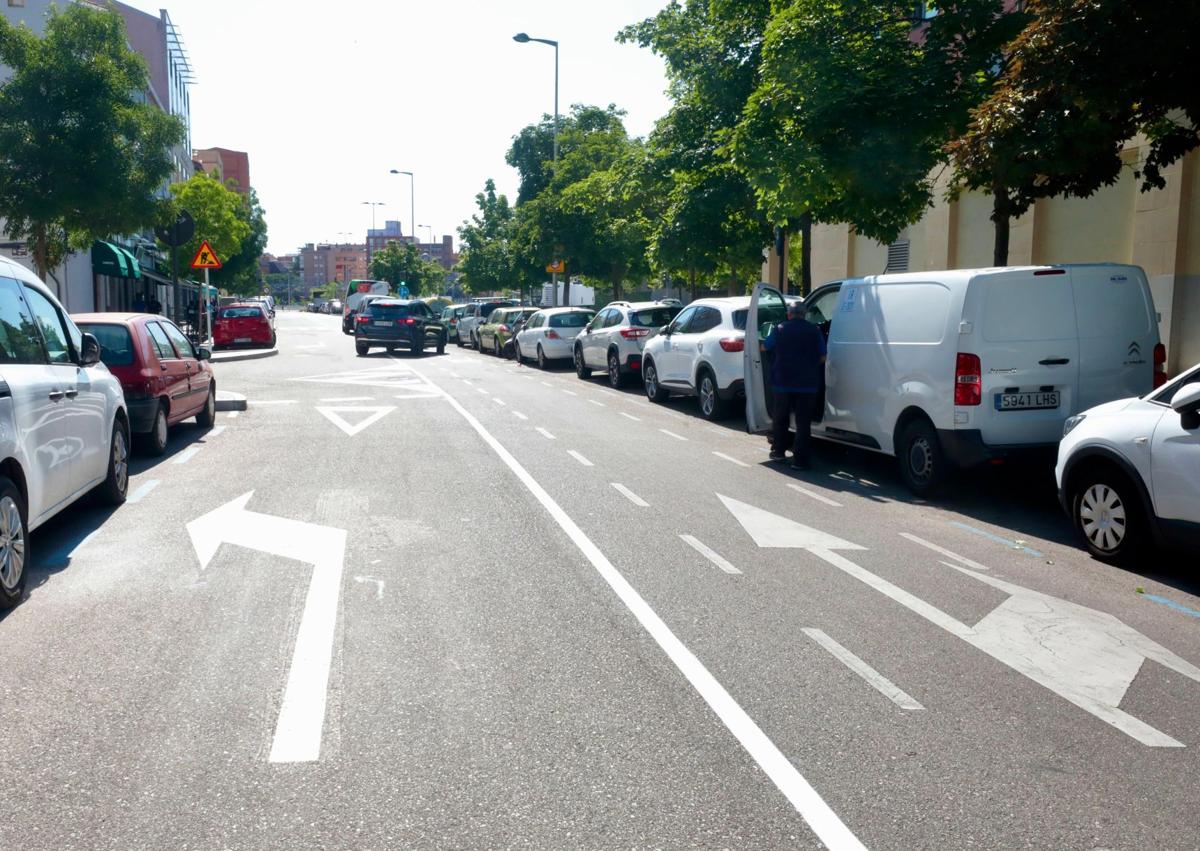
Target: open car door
{"points": [[767, 309]]}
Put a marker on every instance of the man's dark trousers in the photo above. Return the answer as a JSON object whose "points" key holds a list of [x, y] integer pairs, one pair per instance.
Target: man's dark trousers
{"points": [[802, 405]]}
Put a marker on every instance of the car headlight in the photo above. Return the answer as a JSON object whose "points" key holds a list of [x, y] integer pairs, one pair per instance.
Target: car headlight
{"points": [[1071, 422]]}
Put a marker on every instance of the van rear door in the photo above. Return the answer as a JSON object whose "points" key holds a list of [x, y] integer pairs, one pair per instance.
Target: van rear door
{"points": [[1022, 327], [1118, 330]]}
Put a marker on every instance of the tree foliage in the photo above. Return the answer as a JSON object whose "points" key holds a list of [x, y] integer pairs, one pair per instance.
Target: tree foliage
{"points": [[81, 154], [219, 212], [490, 258], [401, 263], [239, 272]]}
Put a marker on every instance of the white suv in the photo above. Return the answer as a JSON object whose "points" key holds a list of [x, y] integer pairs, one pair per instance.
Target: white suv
{"points": [[614, 340], [1129, 471], [700, 354], [64, 430]]}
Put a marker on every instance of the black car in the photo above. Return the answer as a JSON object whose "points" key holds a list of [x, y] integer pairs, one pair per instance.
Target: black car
{"points": [[392, 324]]}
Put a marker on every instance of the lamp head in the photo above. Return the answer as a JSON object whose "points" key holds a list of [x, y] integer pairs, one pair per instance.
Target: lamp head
{"points": [[521, 38]]}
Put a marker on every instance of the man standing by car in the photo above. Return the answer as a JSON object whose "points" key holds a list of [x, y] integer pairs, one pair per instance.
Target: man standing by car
{"points": [[799, 350]]}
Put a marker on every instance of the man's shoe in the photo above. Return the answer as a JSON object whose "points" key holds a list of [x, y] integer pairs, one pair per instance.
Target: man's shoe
{"points": [[778, 456]]}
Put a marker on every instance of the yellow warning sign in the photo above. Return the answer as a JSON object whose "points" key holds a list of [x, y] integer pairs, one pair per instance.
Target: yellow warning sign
{"points": [[558, 266], [206, 258]]}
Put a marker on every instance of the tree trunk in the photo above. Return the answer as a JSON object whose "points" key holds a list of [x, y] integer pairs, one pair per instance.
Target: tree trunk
{"points": [[1002, 220], [806, 254], [40, 260]]}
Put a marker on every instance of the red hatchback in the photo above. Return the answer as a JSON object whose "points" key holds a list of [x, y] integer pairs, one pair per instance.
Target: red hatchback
{"points": [[243, 324], [165, 378]]}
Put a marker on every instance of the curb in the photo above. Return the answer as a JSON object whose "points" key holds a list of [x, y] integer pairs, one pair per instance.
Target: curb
{"points": [[253, 354], [228, 401]]}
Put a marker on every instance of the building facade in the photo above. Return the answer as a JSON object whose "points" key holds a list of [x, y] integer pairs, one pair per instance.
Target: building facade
{"points": [[232, 168], [439, 252], [321, 263]]}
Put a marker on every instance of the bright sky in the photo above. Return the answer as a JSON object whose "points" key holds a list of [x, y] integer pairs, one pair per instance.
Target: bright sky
{"points": [[328, 97]]}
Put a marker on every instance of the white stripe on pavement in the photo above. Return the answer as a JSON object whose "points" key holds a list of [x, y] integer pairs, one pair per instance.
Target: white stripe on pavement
{"points": [[585, 462], [598, 403], [519, 415], [142, 492], [570, 392], [232, 414], [544, 433], [731, 458], [815, 496], [215, 431], [672, 434], [630, 495], [631, 417], [963, 560], [820, 817], [499, 401], [709, 554], [873, 678], [482, 390]]}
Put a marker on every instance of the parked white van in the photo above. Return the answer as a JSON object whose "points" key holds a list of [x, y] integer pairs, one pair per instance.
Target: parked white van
{"points": [[964, 366]]}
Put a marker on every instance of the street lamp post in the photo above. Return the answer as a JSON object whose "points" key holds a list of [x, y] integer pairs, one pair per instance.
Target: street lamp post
{"points": [[523, 38], [372, 205], [412, 200]]}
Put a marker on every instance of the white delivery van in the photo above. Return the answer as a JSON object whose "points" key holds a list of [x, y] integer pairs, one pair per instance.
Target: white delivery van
{"points": [[355, 291], [965, 366]]}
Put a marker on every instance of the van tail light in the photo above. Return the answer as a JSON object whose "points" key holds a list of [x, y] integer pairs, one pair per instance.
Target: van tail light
{"points": [[552, 335], [733, 344], [635, 333], [1160, 365], [968, 380]]}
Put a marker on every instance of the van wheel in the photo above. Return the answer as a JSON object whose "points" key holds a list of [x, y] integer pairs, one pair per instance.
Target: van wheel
{"points": [[1105, 510], [14, 544], [156, 440], [712, 406], [922, 462]]}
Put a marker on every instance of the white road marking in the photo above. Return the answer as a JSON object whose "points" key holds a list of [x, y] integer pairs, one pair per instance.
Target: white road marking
{"points": [[395, 376], [570, 392], [232, 414], [631, 417], [947, 553], [467, 382], [673, 434], [215, 431], [709, 554], [186, 455], [302, 713], [820, 817], [814, 495], [731, 458], [630, 495], [374, 415], [547, 384], [598, 403], [348, 399], [142, 492], [455, 375], [1087, 657], [499, 401], [519, 415], [274, 402], [874, 679], [482, 390], [585, 462], [544, 433]]}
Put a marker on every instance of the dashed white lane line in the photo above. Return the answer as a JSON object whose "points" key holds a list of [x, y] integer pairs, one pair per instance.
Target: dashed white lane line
{"points": [[873, 678], [570, 392], [232, 414], [455, 375], [348, 399], [142, 492], [499, 401], [585, 462], [519, 415], [815, 496], [630, 495], [673, 434], [214, 432], [631, 417], [598, 403], [731, 459], [544, 433], [963, 560], [709, 554], [547, 384], [819, 816], [482, 390], [186, 455]]}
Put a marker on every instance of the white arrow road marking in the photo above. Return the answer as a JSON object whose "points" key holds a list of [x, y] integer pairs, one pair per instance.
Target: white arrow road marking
{"points": [[875, 679], [374, 415], [302, 713], [947, 553], [1086, 657]]}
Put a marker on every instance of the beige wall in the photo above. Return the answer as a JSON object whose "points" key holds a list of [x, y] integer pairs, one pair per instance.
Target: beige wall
{"points": [[1157, 230]]}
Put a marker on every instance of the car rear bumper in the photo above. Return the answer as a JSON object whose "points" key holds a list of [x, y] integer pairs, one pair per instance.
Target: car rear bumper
{"points": [[141, 414], [965, 448], [736, 390]]}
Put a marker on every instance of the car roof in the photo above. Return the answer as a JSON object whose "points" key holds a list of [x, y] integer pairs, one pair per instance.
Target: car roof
{"points": [[638, 305], [575, 308], [732, 302], [112, 318]]}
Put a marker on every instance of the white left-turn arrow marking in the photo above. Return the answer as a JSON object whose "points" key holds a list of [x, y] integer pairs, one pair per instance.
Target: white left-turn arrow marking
{"points": [[302, 715]]}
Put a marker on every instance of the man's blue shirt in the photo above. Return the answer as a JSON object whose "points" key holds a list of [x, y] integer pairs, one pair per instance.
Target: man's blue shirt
{"points": [[798, 348]]}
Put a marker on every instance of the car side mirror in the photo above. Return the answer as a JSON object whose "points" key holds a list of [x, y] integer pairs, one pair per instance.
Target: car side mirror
{"points": [[203, 353], [89, 352], [1186, 402], [667, 331]]}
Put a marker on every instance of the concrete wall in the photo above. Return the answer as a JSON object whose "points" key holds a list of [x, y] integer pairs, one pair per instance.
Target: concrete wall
{"points": [[1157, 230]]}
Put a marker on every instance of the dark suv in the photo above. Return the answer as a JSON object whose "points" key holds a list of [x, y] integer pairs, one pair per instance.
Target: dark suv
{"points": [[392, 324]]}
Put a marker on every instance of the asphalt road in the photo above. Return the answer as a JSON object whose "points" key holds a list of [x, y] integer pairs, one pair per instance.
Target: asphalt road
{"points": [[449, 602]]}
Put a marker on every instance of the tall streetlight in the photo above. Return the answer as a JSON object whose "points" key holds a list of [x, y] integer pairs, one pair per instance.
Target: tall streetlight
{"points": [[372, 205], [523, 38], [412, 198], [430, 229]]}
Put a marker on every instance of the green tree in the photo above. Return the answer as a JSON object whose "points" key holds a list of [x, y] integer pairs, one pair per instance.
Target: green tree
{"points": [[81, 153], [239, 272], [400, 263], [220, 215], [490, 257]]}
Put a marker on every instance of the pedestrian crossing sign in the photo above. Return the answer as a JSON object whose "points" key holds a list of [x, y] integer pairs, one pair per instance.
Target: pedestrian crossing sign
{"points": [[206, 258]]}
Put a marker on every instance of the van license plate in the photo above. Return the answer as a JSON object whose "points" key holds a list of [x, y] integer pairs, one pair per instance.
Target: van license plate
{"points": [[1027, 401]]}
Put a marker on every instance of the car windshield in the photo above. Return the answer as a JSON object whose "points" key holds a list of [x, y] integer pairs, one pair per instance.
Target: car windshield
{"points": [[576, 319], [654, 317], [116, 345], [241, 313]]}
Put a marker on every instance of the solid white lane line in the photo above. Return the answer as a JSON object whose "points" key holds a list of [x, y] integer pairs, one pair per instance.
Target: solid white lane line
{"points": [[544, 433], [598, 403], [519, 415], [585, 462], [815, 496], [570, 392], [232, 414], [349, 399], [709, 554], [820, 817], [630, 495], [631, 417], [874, 679], [947, 553], [274, 402], [499, 401], [142, 492], [186, 455], [673, 434], [467, 382], [731, 458]]}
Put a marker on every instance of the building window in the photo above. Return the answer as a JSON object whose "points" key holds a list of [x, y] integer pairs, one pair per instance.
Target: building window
{"points": [[18, 4]]}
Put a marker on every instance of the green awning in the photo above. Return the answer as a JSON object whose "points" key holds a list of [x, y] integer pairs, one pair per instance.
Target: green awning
{"points": [[115, 261]]}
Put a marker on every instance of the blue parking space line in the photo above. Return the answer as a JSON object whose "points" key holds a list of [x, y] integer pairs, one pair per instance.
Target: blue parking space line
{"points": [[1012, 545], [1179, 607]]}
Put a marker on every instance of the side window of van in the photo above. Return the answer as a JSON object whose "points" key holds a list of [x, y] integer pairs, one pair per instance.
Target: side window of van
{"points": [[820, 310]]}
